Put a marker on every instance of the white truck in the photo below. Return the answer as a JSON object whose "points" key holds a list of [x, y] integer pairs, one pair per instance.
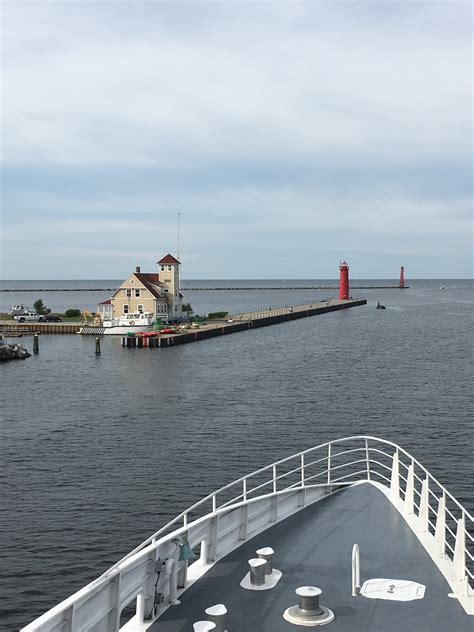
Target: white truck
{"points": [[28, 316]]}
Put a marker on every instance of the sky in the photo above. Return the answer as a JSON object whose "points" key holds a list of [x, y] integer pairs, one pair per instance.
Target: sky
{"points": [[286, 135]]}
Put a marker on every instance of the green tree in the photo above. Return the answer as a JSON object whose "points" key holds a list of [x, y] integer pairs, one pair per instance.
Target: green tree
{"points": [[40, 307]]}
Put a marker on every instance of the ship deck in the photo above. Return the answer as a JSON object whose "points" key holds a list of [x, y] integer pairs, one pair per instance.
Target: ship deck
{"points": [[313, 547]]}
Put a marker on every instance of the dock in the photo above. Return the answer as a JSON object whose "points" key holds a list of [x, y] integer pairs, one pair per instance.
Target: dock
{"points": [[241, 322], [13, 329]]}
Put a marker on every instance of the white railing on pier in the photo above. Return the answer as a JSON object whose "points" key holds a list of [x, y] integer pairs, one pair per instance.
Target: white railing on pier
{"points": [[152, 573]]}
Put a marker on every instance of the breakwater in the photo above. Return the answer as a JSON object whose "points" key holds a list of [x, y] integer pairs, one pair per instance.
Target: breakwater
{"points": [[284, 287], [215, 289], [243, 322]]}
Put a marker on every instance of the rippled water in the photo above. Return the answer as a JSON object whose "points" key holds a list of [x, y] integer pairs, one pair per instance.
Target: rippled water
{"points": [[98, 452]]}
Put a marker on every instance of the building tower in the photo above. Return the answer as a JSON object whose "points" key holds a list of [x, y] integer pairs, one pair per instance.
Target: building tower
{"points": [[169, 275], [402, 278], [344, 281]]}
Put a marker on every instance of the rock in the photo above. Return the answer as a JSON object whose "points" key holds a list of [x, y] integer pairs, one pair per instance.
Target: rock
{"points": [[13, 352]]}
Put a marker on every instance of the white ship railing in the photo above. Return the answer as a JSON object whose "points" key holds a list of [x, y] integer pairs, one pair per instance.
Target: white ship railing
{"points": [[152, 574]]}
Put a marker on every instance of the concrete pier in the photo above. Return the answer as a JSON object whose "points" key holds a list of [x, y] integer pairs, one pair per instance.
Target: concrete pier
{"points": [[241, 322]]}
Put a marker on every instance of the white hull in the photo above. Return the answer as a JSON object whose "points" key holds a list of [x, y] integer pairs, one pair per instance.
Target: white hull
{"points": [[131, 323], [117, 330], [122, 330]]}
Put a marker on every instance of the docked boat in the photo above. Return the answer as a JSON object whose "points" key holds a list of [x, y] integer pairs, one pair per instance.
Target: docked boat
{"points": [[355, 534], [128, 323]]}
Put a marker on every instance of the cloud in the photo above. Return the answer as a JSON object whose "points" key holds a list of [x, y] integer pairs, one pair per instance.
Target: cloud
{"points": [[256, 120]]}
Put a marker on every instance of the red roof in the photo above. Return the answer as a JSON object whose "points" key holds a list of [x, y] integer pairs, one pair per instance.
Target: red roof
{"points": [[150, 280], [168, 259], [108, 302]]}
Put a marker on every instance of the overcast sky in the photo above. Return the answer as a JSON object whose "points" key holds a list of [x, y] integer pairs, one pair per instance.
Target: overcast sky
{"points": [[288, 135]]}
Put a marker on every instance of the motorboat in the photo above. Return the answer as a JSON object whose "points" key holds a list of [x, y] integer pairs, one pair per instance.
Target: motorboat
{"points": [[354, 533], [128, 323], [380, 306]]}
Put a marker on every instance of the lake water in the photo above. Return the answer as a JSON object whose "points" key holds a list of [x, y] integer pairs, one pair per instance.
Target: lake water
{"points": [[98, 452]]}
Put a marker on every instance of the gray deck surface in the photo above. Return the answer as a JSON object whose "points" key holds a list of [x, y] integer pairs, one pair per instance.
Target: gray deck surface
{"points": [[314, 547]]}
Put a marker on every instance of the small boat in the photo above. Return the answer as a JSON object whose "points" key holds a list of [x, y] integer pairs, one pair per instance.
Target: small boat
{"points": [[128, 323], [356, 524], [380, 306], [442, 287]]}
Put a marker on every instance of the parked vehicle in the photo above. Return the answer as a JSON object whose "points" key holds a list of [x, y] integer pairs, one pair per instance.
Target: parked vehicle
{"points": [[28, 317], [51, 318], [19, 310]]}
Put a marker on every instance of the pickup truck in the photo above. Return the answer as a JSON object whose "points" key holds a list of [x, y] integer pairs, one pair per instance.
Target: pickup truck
{"points": [[28, 316]]}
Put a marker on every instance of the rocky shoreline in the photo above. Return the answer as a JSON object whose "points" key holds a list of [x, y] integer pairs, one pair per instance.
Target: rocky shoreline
{"points": [[13, 352]]}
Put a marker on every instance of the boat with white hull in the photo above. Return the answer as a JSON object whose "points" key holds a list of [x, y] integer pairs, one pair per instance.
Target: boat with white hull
{"points": [[333, 535], [128, 323]]}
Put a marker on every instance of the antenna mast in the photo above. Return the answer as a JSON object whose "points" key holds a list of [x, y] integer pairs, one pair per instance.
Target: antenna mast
{"points": [[179, 217]]}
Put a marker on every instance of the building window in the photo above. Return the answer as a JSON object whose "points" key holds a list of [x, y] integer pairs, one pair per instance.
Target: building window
{"points": [[140, 309], [162, 268], [125, 309], [128, 293], [169, 267], [137, 292]]}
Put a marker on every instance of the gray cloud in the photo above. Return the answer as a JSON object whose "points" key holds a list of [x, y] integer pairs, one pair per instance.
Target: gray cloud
{"points": [[272, 127]]}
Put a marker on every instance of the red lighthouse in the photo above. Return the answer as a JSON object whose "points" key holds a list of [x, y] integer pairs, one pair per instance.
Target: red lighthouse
{"points": [[344, 281], [402, 278]]}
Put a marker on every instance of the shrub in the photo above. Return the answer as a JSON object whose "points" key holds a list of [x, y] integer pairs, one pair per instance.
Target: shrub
{"points": [[72, 313], [214, 315]]}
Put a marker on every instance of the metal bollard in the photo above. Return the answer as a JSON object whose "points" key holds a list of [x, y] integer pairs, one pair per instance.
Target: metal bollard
{"points": [[267, 554], [308, 611], [97, 346], [36, 345], [257, 571], [216, 614], [308, 601]]}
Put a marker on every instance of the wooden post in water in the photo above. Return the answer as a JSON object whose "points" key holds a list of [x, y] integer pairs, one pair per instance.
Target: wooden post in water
{"points": [[97, 346], [36, 348]]}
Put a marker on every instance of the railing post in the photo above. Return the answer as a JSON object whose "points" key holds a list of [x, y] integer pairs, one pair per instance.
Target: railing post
{"points": [[395, 478], [302, 470], [367, 460], [140, 611], [440, 529], [329, 464], [174, 584], [214, 503], [203, 552], [409, 491], [274, 479], [459, 558], [115, 598], [424, 509], [244, 490]]}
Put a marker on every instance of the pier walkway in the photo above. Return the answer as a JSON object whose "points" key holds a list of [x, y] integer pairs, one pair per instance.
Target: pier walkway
{"points": [[241, 322]]}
